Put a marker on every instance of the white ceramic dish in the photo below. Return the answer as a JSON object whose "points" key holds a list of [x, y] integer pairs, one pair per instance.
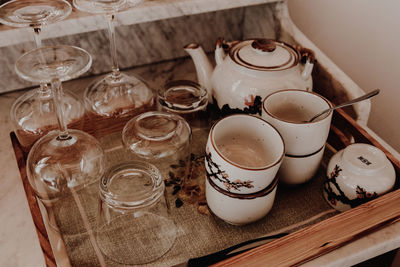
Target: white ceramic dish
{"points": [[357, 174], [239, 209]]}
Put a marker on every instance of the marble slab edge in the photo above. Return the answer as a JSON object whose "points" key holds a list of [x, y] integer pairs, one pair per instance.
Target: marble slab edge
{"points": [[149, 10], [153, 41]]}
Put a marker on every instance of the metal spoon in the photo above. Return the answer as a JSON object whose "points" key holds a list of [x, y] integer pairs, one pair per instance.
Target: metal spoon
{"points": [[351, 102]]}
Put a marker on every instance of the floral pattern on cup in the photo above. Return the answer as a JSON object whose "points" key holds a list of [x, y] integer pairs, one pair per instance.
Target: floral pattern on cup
{"points": [[335, 195], [214, 172], [244, 153], [357, 174]]}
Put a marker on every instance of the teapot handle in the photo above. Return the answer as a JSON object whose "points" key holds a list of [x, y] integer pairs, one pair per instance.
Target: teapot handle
{"points": [[307, 58], [222, 48]]}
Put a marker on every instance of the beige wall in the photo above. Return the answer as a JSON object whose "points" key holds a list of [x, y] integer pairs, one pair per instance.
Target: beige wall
{"points": [[363, 38]]}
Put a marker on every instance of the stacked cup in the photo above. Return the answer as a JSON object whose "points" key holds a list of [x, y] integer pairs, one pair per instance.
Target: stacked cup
{"points": [[289, 112], [243, 155]]}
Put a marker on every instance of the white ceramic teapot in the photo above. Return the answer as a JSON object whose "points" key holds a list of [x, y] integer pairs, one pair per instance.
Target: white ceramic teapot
{"points": [[249, 70]]}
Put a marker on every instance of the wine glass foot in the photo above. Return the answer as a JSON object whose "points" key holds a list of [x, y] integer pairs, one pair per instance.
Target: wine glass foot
{"points": [[118, 96], [22, 13], [33, 115]]}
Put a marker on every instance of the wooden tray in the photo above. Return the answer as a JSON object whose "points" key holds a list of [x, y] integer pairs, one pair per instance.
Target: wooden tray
{"points": [[299, 246]]}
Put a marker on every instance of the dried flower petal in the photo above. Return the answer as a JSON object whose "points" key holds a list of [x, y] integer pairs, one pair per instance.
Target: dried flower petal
{"points": [[176, 189], [178, 203], [203, 209]]}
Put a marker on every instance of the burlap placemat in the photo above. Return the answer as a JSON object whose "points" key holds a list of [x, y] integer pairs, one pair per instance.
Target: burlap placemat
{"points": [[197, 234]]}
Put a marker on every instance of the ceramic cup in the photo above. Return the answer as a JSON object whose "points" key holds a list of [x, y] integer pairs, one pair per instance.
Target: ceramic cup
{"points": [[239, 209], [243, 154], [287, 111], [357, 174], [297, 170]]}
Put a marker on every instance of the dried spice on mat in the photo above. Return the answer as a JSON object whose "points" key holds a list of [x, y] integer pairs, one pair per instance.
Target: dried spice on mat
{"points": [[190, 190]]}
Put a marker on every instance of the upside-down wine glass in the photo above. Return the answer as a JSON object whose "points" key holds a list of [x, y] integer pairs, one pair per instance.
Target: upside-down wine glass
{"points": [[117, 97], [62, 161], [33, 112]]}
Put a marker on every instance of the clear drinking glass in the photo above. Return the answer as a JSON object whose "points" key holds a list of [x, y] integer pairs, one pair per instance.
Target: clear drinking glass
{"points": [[116, 97], [134, 225], [33, 112], [162, 139], [190, 101], [64, 161]]}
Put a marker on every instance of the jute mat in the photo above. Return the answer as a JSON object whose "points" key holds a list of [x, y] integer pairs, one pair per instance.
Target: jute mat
{"points": [[197, 234]]}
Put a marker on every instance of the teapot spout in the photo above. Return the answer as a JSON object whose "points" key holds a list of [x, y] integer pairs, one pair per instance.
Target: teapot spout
{"points": [[203, 67]]}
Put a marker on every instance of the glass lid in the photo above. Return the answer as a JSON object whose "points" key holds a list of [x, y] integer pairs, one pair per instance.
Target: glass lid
{"points": [[264, 55]]}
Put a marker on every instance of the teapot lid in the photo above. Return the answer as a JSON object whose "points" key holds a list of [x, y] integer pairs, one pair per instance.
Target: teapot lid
{"points": [[264, 55]]}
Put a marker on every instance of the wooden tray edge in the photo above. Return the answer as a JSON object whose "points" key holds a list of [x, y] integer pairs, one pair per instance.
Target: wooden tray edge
{"points": [[33, 205]]}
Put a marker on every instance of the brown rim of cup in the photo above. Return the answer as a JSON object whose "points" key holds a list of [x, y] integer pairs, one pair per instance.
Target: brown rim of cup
{"points": [[305, 156], [235, 164], [258, 194], [296, 90]]}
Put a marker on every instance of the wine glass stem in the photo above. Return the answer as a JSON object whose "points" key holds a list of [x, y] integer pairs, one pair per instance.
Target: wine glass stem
{"points": [[36, 35], [44, 90], [113, 47], [58, 103]]}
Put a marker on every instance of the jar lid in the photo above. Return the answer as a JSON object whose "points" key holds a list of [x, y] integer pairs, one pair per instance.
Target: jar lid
{"points": [[155, 135], [264, 55], [183, 96], [132, 184]]}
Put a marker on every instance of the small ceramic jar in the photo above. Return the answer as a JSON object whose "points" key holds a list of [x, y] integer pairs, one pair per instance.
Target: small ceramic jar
{"points": [[239, 209], [357, 174]]}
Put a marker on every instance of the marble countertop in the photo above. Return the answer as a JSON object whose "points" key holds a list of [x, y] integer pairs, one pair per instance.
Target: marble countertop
{"points": [[149, 10], [19, 244]]}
